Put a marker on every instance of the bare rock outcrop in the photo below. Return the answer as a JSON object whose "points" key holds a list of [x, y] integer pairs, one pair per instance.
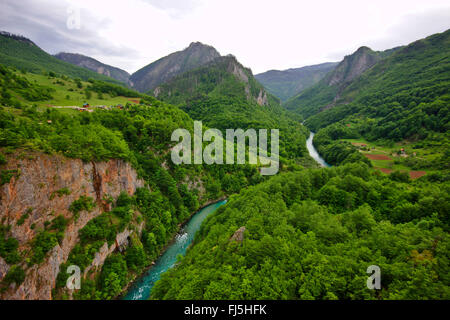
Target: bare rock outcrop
{"points": [[34, 191], [238, 236]]}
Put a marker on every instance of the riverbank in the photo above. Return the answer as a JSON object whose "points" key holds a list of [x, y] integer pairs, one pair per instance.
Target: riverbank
{"points": [[140, 287], [313, 151]]}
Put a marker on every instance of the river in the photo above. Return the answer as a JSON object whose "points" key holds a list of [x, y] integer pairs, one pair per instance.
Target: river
{"points": [[313, 152], [142, 287]]}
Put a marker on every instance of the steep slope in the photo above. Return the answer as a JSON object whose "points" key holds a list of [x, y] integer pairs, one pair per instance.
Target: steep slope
{"points": [[324, 94], [313, 234], [43, 90], [288, 83], [176, 63], [94, 65], [224, 94], [95, 190], [23, 54], [224, 76], [42, 176], [403, 99]]}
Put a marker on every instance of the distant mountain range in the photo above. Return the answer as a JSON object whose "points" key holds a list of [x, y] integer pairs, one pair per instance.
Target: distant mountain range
{"points": [[94, 65], [288, 83], [327, 91]]}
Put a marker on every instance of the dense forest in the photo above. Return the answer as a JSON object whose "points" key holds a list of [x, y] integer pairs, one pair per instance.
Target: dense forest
{"points": [[403, 99], [312, 234], [139, 134], [224, 94]]}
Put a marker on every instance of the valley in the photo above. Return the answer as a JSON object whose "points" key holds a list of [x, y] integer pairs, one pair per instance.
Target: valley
{"points": [[87, 178]]}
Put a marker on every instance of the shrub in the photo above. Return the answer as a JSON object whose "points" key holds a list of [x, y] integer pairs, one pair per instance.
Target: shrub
{"points": [[8, 249], [83, 203], [400, 176], [15, 275], [43, 243], [6, 175]]}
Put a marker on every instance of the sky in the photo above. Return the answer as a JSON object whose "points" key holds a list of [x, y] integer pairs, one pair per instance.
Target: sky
{"points": [[263, 35]]}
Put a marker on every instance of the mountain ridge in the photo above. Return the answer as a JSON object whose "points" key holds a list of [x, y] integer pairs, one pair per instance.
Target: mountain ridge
{"points": [[94, 65], [165, 68], [229, 64], [290, 82], [22, 53], [324, 94]]}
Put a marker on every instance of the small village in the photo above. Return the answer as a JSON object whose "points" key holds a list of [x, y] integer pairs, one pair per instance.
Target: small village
{"points": [[88, 108]]}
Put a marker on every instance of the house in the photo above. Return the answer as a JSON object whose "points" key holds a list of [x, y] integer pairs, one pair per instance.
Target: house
{"points": [[85, 105]]}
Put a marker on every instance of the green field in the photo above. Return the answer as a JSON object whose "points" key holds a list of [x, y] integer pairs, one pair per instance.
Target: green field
{"points": [[66, 93], [423, 152]]}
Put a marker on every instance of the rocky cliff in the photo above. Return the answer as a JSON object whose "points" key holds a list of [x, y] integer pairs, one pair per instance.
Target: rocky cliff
{"points": [[34, 190], [352, 66]]}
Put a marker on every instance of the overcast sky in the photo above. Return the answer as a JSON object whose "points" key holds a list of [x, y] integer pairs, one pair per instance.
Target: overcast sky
{"points": [[263, 35]]}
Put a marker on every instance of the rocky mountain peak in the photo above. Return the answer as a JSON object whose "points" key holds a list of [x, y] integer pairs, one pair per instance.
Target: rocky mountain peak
{"points": [[353, 66], [195, 55]]}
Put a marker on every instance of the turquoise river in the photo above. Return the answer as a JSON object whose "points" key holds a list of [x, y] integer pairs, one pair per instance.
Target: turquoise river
{"points": [[142, 287]]}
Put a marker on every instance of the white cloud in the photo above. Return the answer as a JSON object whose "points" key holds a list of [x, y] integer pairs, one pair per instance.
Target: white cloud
{"points": [[262, 34]]}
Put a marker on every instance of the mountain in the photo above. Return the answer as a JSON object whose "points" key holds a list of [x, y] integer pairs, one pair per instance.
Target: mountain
{"points": [[91, 189], [174, 64], [224, 76], [288, 83], [325, 93], [224, 94], [24, 54], [94, 65], [403, 100]]}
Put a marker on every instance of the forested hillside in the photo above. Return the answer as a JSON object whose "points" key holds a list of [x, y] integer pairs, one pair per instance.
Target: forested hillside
{"points": [[138, 134], [312, 235], [327, 92], [23, 54], [400, 107], [224, 94]]}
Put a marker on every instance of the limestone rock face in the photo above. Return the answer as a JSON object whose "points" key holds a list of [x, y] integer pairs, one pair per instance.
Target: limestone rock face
{"points": [[33, 191], [262, 98], [353, 66], [238, 236]]}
